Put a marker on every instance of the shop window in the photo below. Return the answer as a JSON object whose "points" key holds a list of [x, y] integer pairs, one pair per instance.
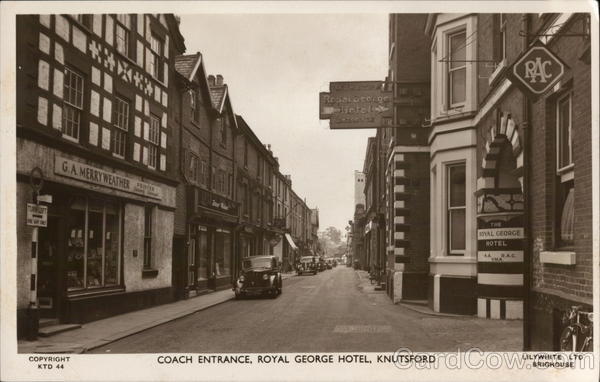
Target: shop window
{"points": [[72, 103], [222, 253], [93, 245], [203, 254], [121, 122], [148, 237], [456, 206], [565, 172], [123, 34], [156, 49], [154, 138], [457, 69]]}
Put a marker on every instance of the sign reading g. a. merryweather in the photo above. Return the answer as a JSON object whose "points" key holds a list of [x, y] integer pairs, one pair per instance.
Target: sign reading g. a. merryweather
{"points": [[80, 171], [537, 70], [356, 105]]}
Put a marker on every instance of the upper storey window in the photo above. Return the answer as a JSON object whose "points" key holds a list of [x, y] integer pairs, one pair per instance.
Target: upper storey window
{"points": [[457, 69]]}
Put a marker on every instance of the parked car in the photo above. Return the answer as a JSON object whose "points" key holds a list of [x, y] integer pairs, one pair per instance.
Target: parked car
{"points": [[307, 264], [329, 263], [260, 275], [334, 263]]}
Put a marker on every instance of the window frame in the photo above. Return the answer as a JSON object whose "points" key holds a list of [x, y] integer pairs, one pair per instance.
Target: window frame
{"points": [[127, 29], [565, 183], [117, 130], [450, 70], [153, 144], [148, 226], [448, 208], [68, 105], [156, 69]]}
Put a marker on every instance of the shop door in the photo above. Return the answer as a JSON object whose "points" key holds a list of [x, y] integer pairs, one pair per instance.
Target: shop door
{"points": [[48, 268], [191, 263], [203, 256]]}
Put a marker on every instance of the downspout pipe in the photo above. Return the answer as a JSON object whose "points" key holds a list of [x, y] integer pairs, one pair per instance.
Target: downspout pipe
{"points": [[528, 261]]}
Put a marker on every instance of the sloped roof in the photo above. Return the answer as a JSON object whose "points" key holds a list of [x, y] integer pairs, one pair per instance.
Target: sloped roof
{"points": [[217, 95], [187, 64]]}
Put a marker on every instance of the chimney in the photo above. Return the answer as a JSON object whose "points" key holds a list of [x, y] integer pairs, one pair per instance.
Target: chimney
{"points": [[219, 80], [211, 80]]}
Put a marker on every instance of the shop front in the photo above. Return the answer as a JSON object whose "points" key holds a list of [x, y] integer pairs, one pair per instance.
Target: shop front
{"points": [[105, 246], [210, 245]]}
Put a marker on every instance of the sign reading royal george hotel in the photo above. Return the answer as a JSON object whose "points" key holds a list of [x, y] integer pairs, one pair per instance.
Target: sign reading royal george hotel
{"points": [[76, 170], [356, 105]]}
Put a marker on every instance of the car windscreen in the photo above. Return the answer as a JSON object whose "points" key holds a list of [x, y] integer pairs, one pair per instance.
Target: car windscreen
{"points": [[264, 262]]}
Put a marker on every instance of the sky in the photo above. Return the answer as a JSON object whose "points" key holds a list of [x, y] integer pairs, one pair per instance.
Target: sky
{"points": [[275, 66]]}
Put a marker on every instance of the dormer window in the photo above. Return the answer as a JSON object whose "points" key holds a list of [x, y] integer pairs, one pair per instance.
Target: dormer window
{"points": [[194, 105]]}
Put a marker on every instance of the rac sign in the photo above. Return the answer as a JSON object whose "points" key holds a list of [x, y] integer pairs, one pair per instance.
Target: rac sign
{"points": [[538, 69]]}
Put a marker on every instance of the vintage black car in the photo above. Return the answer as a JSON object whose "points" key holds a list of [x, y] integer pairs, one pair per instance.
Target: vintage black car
{"points": [[307, 264], [261, 275]]}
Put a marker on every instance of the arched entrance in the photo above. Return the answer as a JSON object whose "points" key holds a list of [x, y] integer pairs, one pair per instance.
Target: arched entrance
{"points": [[500, 231]]}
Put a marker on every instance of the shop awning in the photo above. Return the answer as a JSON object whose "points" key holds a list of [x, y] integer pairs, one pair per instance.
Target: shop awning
{"points": [[290, 241]]}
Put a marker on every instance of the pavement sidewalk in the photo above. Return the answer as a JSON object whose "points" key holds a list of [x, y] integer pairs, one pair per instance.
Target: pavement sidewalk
{"points": [[101, 332]]}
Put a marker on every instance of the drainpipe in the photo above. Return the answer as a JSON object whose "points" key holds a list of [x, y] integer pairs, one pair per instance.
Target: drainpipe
{"points": [[527, 263]]}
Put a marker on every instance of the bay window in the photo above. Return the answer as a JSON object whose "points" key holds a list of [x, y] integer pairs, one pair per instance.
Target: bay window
{"points": [[154, 138], [156, 49]]}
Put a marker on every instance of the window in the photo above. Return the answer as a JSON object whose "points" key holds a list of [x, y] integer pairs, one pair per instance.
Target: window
{"points": [[123, 28], [148, 237], [456, 196], [203, 173], [156, 47], [222, 124], [500, 37], [72, 103], [566, 193], [121, 122], [154, 138], [457, 69], [194, 105], [563, 133], [222, 253], [94, 242], [193, 168], [245, 153]]}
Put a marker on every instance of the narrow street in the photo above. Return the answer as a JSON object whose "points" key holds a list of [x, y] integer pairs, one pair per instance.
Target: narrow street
{"points": [[334, 311]]}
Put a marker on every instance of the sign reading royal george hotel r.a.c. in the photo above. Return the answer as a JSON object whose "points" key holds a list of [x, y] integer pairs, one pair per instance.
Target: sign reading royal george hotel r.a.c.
{"points": [[537, 70], [80, 171]]}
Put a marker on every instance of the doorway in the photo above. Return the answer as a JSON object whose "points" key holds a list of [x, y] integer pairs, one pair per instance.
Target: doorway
{"points": [[48, 284]]}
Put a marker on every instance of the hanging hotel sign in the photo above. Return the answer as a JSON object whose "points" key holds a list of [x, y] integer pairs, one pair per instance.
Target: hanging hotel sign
{"points": [[356, 105], [537, 70], [80, 171]]}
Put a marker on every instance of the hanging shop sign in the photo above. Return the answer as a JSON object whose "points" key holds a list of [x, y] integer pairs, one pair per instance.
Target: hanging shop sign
{"points": [[80, 171], [356, 105], [537, 70], [37, 216]]}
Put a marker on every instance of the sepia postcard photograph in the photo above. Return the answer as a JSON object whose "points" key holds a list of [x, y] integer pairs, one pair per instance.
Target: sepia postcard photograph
{"points": [[206, 190]]}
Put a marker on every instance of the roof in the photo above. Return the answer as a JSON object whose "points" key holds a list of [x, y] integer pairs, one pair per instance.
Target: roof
{"points": [[217, 95], [188, 64]]}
